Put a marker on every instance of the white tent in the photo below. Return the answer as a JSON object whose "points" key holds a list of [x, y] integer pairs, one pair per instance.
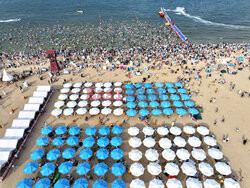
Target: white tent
{"points": [[168, 154], [29, 114], [135, 155], [137, 183], [40, 94], [152, 155], [36, 100], [149, 142], [137, 169], [21, 123], [6, 76], [32, 107], [16, 133], [43, 88], [135, 142], [133, 131], [8, 142], [165, 143]]}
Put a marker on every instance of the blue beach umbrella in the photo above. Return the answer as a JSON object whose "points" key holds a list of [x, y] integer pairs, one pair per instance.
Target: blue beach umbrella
{"points": [[148, 85], [62, 183], [69, 153], [182, 90], [74, 131], [129, 91], [65, 167], [83, 168], [193, 111], [169, 85], [141, 97], [189, 103], [30, 167], [118, 169], [72, 141], [117, 154], [130, 98], [230, 64], [101, 169], [165, 104], [152, 97], [138, 85], [61, 130], [118, 183], [172, 90], [103, 142], [104, 131], [37, 154], [161, 91], [42, 141], [163, 97], [131, 104], [150, 91], [143, 104], [46, 130], [185, 97], [81, 183], [117, 129], [53, 154], [100, 184], [168, 111], [90, 131], [159, 84], [58, 141], [48, 169], [88, 142], [116, 141], [131, 112], [241, 58], [102, 154], [143, 112], [178, 84], [43, 183], [129, 86], [140, 91], [85, 154], [175, 97], [181, 111], [178, 104], [154, 104], [156, 112], [25, 183]]}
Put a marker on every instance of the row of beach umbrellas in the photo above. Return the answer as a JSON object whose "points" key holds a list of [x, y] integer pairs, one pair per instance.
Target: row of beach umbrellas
{"points": [[91, 84], [155, 91]]}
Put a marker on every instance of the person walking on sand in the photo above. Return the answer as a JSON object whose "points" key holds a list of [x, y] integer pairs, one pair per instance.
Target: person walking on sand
{"points": [[245, 141], [223, 119]]}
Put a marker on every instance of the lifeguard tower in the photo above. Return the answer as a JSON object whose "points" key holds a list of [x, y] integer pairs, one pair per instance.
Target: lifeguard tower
{"points": [[51, 54]]}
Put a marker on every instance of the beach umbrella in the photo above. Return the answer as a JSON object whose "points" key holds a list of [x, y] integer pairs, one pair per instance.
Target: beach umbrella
{"points": [[118, 84], [174, 183], [215, 153], [189, 129], [102, 154], [103, 142], [77, 85], [118, 90], [129, 91], [74, 130], [42, 141], [165, 143], [106, 103], [175, 97], [25, 183], [131, 112], [178, 104], [62, 183], [163, 97], [148, 131], [58, 141], [185, 97], [142, 104], [82, 103], [37, 154], [165, 104], [175, 130], [118, 103], [152, 97], [73, 97], [178, 84], [194, 141], [65, 90], [179, 141], [95, 103], [193, 183], [62, 97], [223, 168], [172, 169], [101, 169], [182, 90], [61, 130], [181, 111], [159, 84], [106, 111], [85, 154], [85, 97], [129, 86], [30, 167], [72, 141], [116, 141], [140, 91], [53, 154], [135, 142], [210, 141], [104, 131], [118, 111], [206, 169], [56, 112], [88, 84], [241, 58], [94, 111], [169, 84], [100, 184], [68, 111], [203, 130], [67, 85], [150, 91], [90, 131], [48, 169], [68, 153], [161, 91], [88, 142], [153, 104], [149, 142], [141, 97], [71, 104], [230, 183], [154, 169], [83, 168], [183, 154], [137, 169], [117, 129], [99, 85], [148, 85], [118, 183], [188, 168], [81, 183], [59, 104], [168, 154], [130, 98], [118, 169], [171, 90], [163, 131], [198, 154], [156, 112], [189, 103], [131, 104], [135, 155], [138, 85], [152, 155], [98, 90], [118, 97], [46, 130], [193, 111], [65, 167], [211, 183], [156, 183], [117, 154], [96, 97], [133, 131], [137, 183], [168, 111], [43, 183]]}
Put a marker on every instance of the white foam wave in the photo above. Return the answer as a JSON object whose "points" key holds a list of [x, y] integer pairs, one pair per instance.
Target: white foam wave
{"points": [[182, 11], [10, 20]]}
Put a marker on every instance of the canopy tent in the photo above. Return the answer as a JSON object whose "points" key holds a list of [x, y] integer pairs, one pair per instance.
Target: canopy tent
{"points": [[6, 76]]}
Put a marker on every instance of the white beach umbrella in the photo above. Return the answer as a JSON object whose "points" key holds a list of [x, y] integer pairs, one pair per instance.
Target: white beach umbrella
{"points": [[75, 90], [156, 183], [118, 103], [152, 155], [223, 168], [135, 155], [95, 103], [118, 90], [67, 85], [118, 84], [193, 183], [175, 130], [198, 154], [68, 111], [149, 142], [137, 169], [98, 90], [106, 111], [73, 97], [87, 90], [88, 84], [118, 97], [203, 130], [62, 97], [137, 183], [183, 154], [210, 141], [165, 143], [189, 129], [94, 111], [81, 111], [148, 131], [84, 97], [206, 169], [6, 77], [71, 104], [215, 153], [65, 90], [179, 141], [59, 104], [194, 141], [108, 84], [154, 169], [163, 131], [133, 131], [135, 142], [56, 112], [78, 84], [118, 111], [172, 169], [106, 103], [230, 183], [82, 103], [174, 183], [210, 183], [188, 169], [168, 154], [99, 85], [107, 90]]}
